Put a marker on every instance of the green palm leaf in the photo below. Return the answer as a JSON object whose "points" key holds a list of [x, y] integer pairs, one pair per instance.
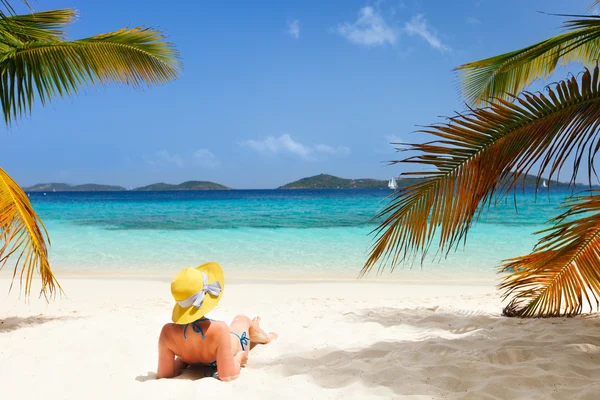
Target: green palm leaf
{"points": [[36, 63], [478, 156], [9, 8], [563, 272], [45, 25], [46, 68], [508, 74], [22, 237]]}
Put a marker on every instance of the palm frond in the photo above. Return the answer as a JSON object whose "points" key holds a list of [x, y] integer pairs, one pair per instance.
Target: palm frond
{"points": [[23, 236], [563, 272], [508, 74], [43, 26], [6, 8], [479, 156], [48, 68]]}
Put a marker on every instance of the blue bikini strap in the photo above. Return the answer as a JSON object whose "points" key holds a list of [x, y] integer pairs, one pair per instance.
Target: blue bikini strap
{"points": [[196, 327], [243, 339]]}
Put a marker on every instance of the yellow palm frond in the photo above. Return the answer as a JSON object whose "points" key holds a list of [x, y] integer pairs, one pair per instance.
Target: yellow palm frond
{"points": [[563, 272], [479, 156], [23, 237], [47, 68], [506, 75]]}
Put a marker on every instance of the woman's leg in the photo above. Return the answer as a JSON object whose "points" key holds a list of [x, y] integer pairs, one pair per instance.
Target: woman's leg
{"points": [[247, 332]]}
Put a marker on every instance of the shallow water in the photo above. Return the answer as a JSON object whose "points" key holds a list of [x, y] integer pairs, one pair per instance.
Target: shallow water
{"points": [[261, 232]]}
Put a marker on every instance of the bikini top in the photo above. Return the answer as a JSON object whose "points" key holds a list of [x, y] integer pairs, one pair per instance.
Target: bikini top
{"points": [[196, 327]]}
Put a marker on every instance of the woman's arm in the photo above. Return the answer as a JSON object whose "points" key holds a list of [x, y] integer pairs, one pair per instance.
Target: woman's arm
{"points": [[228, 367], [168, 365]]}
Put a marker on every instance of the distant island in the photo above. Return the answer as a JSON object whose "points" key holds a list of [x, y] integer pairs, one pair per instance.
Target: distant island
{"points": [[91, 187], [325, 181], [189, 185], [63, 187], [321, 181]]}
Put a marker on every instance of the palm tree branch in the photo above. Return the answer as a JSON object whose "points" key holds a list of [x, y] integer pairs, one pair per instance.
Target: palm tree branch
{"points": [[508, 74], [21, 234], [479, 156], [564, 267], [42, 26], [9, 9], [130, 56]]}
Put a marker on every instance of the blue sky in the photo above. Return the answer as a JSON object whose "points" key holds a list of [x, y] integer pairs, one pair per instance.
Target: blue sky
{"points": [[271, 91]]}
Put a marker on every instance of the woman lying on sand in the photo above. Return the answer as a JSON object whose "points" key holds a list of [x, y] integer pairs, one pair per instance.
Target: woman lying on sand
{"points": [[195, 339]]}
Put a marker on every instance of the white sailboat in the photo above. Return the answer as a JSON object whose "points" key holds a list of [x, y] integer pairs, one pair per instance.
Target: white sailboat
{"points": [[392, 184], [544, 184]]}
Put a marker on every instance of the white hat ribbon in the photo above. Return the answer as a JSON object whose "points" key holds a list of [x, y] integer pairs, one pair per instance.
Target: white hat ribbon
{"points": [[196, 299]]}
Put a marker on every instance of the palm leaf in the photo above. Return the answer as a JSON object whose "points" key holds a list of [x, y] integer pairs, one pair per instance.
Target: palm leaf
{"points": [[508, 74], [8, 8], [563, 272], [479, 156], [22, 238], [46, 25], [47, 68]]}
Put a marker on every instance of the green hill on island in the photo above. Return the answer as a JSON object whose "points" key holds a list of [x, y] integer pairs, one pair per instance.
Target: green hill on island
{"points": [[189, 185], [324, 181], [63, 187]]}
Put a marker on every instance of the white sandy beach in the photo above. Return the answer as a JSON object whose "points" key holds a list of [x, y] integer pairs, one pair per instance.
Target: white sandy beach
{"points": [[337, 340]]}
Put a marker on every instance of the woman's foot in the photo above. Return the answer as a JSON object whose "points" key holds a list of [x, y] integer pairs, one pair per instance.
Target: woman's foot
{"points": [[257, 335]]}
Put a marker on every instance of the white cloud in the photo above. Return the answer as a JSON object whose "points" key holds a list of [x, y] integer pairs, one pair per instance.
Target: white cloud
{"points": [[473, 21], [206, 159], [284, 144], [370, 29], [419, 26], [294, 29], [169, 158]]}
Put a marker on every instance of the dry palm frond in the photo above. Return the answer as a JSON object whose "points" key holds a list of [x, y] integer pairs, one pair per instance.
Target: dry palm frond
{"points": [[508, 74], [46, 68], [480, 155], [564, 270], [21, 238]]}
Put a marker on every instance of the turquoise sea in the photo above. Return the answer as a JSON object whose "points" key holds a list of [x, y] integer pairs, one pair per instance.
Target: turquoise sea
{"points": [[261, 233]]}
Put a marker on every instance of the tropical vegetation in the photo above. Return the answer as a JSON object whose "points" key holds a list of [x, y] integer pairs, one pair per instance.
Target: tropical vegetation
{"points": [[188, 185], [65, 187], [325, 181], [476, 158], [37, 63]]}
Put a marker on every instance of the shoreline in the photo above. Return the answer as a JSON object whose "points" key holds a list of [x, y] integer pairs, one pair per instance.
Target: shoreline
{"points": [[402, 277]]}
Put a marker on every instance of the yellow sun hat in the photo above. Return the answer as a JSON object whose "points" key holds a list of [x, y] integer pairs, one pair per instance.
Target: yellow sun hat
{"points": [[196, 291]]}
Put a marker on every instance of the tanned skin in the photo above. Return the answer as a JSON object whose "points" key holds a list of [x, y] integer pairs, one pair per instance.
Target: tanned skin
{"points": [[175, 352]]}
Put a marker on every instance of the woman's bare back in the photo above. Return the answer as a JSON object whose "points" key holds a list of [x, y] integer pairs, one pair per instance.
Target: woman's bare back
{"points": [[209, 342]]}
